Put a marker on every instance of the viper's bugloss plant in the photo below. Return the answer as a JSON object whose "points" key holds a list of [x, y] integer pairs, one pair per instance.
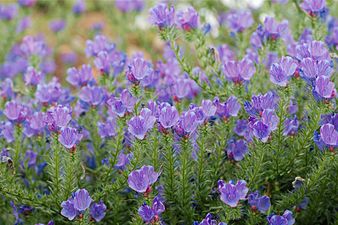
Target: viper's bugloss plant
{"points": [[168, 113]]}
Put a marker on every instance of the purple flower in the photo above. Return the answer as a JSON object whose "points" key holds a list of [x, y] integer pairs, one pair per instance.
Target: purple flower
{"points": [[80, 77], [270, 119], [7, 131], [285, 219], [98, 211], [187, 124], [313, 7], [15, 111], [82, 200], [261, 131], [282, 71], [148, 117], [168, 117], [290, 126], [105, 61], [148, 213], [57, 25], [329, 134], [129, 5], [208, 108], [37, 121], [58, 117], [27, 3], [312, 68], [69, 137], [232, 193], [107, 129], [99, 44], [316, 50], [137, 126], [31, 156], [229, 108], [237, 149], [274, 30], [8, 12], [256, 201], [68, 209], [239, 21], [162, 16], [23, 24], [325, 88], [93, 95], [32, 77], [225, 53], [79, 7], [237, 71], [123, 160], [141, 179], [188, 19], [138, 69]]}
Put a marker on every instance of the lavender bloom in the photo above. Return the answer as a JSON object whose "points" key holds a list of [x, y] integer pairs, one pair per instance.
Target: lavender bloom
{"points": [[312, 68], [329, 134], [82, 200], [208, 108], [15, 111], [232, 193], [80, 77], [6, 89], [137, 126], [99, 44], [98, 211], [237, 149], [230, 108], [148, 118], [270, 119], [239, 71], [93, 95], [107, 129], [261, 131], [27, 3], [285, 219], [187, 124], [125, 104], [162, 16], [168, 117], [68, 209], [23, 24], [241, 127], [282, 71], [129, 5], [149, 213], [79, 7], [33, 46], [141, 179], [7, 131], [316, 50], [225, 53], [290, 126], [238, 21], [188, 19], [58, 117], [31, 156], [313, 7], [138, 69], [57, 25], [105, 61], [123, 160], [69, 137], [8, 12], [325, 88], [256, 201], [32, 77], [274, 30], [37, 121]]}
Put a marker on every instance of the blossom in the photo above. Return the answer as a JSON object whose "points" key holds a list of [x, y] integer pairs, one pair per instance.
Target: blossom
{"points": [[58, 117], [32, 77], [69, 137], [82, 200], [188, 19], [98, 211], [138, 69], [256, 201], [313, 7], [15, 111], [324, 87], [238, 21], [79, 7], [129, 5], [285, 219], [68, 209], [232, 193], [238, 71], [141, 179], [162, 16], [236, 149], [329, 134], [187, 124], [148, 213], [80, 77], [168, 117], [57, 25], [93, 95], [272, 29], [282, 71]]}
